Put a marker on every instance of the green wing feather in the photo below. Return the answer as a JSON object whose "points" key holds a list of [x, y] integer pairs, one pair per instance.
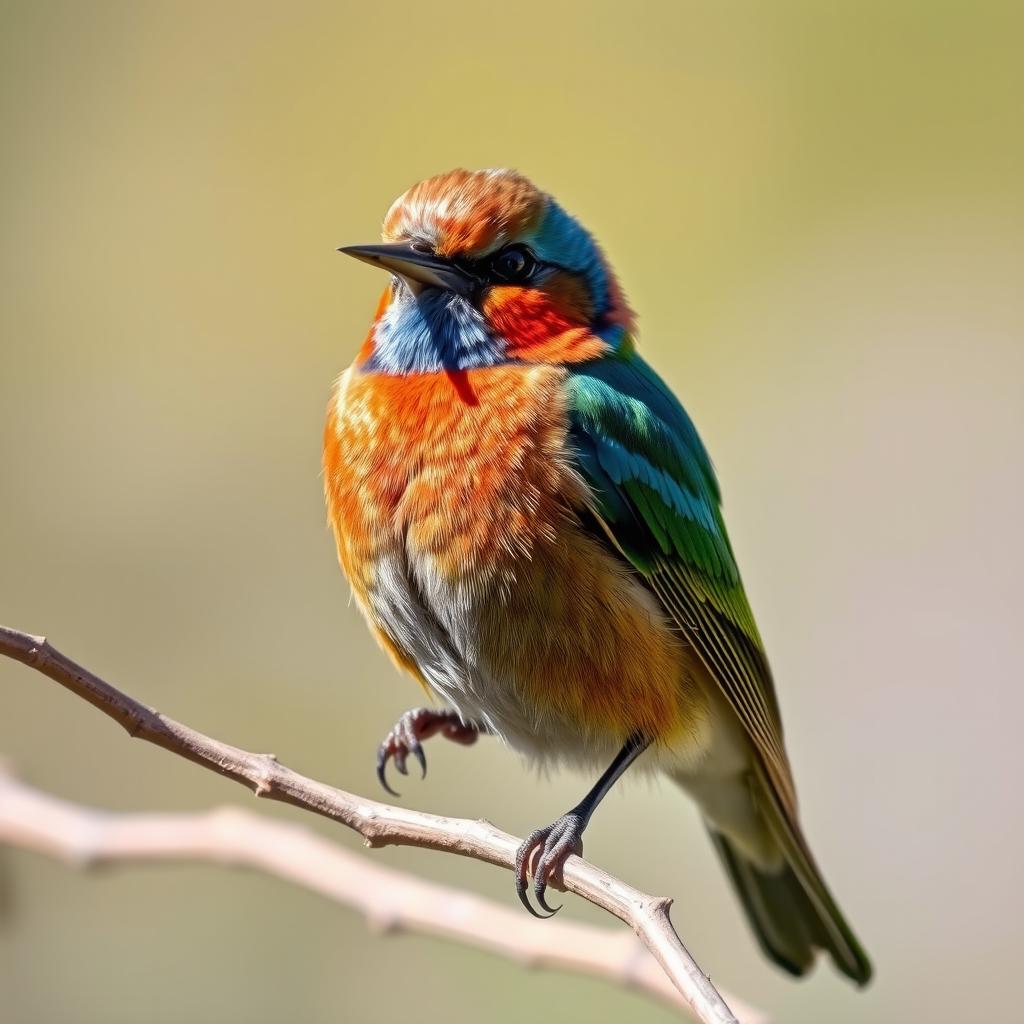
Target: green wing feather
{"points": [[658, 499]]}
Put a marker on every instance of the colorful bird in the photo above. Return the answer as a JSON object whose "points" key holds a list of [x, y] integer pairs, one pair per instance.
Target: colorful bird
{"points": [[531, 527]]}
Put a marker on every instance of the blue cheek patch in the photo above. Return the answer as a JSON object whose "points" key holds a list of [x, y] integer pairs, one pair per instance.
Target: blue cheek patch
{"points": [[431, 332]]}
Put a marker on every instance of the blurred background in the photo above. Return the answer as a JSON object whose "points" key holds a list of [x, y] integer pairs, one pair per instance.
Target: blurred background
{"points": [[817, 212]]}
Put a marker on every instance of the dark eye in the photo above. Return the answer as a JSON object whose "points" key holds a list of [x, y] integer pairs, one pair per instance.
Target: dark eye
{"points": [[514, 264]]}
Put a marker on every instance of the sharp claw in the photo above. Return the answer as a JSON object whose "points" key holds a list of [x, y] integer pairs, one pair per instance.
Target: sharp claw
{"points": [[536, 913], [521, 869], [547, 864], [539, 888], [523, 855], [417, 751], [523, 898], [382, 763], [400, 762]]}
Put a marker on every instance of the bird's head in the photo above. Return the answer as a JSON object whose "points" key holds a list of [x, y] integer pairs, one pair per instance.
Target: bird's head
{"points": [[487, 269]]}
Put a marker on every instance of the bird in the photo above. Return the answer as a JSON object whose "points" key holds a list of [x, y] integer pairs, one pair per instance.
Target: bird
{"points": [[532, 528]]}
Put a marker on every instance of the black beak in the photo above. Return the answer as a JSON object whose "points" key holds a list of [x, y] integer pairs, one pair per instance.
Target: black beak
{"points": [[415, 265]]}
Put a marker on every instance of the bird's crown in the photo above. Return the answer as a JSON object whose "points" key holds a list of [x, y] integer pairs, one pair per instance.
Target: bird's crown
{"points": [[465, 213], [489, 269]]}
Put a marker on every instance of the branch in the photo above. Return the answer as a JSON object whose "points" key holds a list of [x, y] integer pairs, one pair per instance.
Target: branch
{"points": [[390, 900], [379, 824]]}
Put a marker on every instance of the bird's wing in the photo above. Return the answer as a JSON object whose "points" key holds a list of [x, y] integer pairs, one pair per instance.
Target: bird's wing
{"points": [[657, 499]]}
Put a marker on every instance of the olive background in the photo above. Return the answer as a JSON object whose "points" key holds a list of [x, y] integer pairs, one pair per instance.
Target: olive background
{"points": [[816, 210]]}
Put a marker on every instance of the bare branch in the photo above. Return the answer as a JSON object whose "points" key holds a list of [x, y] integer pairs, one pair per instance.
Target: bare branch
{"points": [[380, 824], [390, 900]]}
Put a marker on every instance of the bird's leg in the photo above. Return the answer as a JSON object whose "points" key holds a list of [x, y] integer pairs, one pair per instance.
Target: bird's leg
{"points": [[420, 724], [553, 845]]}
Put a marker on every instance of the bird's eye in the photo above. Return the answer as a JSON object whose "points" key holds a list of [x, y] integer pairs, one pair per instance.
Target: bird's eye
{"points": [[514, 264]]}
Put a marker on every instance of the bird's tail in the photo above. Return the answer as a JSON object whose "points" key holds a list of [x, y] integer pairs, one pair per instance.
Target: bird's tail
{"points": [[788, 904]]}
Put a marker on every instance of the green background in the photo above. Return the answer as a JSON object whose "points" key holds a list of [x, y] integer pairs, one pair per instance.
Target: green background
{"points": [[816, 210]]}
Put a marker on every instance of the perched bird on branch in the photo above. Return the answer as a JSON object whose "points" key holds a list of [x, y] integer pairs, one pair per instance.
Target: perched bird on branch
{"points": [[531, 526]]}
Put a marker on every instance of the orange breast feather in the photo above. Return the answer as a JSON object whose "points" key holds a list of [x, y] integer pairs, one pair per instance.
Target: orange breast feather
{"points": [[468, 473]]}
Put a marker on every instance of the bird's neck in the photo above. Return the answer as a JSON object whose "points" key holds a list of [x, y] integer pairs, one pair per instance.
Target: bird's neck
{"points": [[436, 331], [429, 333]]}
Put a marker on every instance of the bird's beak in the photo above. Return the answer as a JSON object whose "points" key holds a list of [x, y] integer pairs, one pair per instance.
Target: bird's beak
{"points": [[416, 266]]}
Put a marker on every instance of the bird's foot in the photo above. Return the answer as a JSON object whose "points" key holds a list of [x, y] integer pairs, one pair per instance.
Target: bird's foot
{"points": [[416, 725], [548, 849]]}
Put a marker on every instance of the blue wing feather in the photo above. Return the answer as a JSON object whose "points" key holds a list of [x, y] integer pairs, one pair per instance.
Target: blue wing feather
{"points": [[656, 494]]}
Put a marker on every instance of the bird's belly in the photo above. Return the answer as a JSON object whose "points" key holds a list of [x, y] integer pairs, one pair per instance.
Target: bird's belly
{"points": [[462, 542], [563, 658]]}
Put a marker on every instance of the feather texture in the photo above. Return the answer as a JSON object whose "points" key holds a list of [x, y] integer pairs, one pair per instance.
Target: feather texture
{"points": [[533, 528], [456, 510], [656, 492], [658, 500]]}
